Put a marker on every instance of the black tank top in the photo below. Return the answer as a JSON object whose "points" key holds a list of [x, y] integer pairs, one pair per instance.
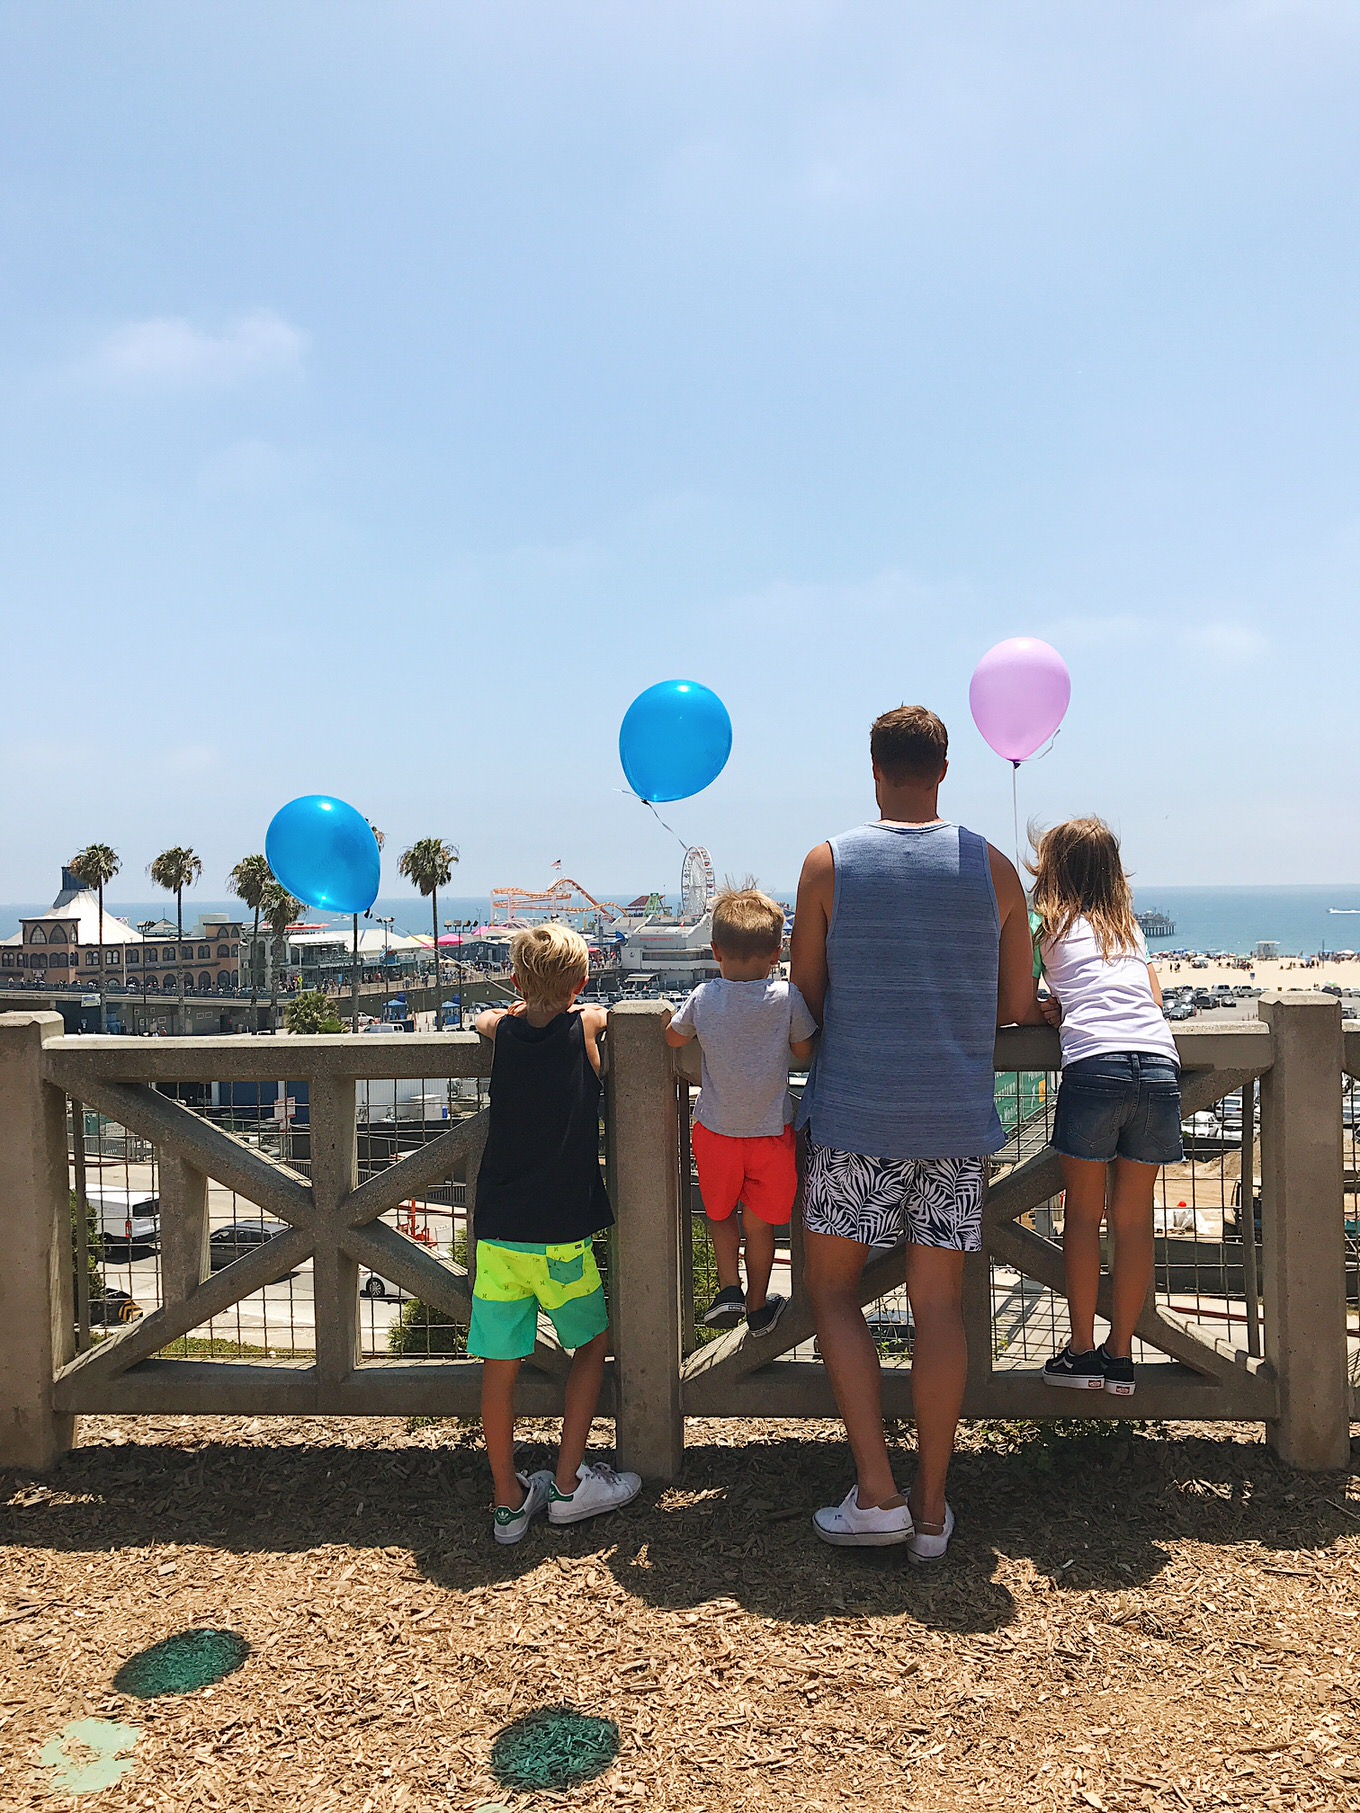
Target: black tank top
{"points": [[540, 1175]]}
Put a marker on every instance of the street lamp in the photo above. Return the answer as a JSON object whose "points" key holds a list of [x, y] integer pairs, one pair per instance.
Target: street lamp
{"points": [[458, 927], [144, 926]]}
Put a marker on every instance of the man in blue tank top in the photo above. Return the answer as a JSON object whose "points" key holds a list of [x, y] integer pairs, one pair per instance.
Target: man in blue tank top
{"points": [[911, 945]]}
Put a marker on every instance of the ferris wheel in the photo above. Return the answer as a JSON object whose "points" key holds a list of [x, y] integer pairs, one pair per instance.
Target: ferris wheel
{"points": [[698, 884]]}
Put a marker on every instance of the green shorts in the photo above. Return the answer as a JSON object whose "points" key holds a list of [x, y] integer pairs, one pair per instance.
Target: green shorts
{"points": [[515, 1279]]}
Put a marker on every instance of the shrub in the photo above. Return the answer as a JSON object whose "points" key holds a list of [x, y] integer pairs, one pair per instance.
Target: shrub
{"points": [[311, 1011], [424, 1331], [94, 1248]]}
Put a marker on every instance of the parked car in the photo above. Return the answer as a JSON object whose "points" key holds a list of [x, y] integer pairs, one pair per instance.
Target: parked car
{"points": [[371, 1285], [110, 1307], [125, 1217], [1180, 1010], [238, 1238]]}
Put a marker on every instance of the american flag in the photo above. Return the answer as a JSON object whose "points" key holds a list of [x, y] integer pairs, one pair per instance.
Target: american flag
{"points": [[557, 866]]}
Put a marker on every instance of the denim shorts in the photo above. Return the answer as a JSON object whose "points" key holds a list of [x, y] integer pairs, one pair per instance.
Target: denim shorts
{"points": [[1123, 1104]]}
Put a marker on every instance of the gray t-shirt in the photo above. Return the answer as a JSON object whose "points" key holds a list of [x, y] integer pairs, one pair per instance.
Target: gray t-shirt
{"points": [[744, 1029]]}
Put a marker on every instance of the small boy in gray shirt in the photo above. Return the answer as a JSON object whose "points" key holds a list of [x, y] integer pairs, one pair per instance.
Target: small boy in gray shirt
{"points": [[747, 1024]]}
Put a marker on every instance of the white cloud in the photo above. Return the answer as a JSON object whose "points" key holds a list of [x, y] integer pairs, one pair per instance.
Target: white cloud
{"points": [[890, 596], [169, 353], [1215, 639], [1225, 641], [1119, 631]]}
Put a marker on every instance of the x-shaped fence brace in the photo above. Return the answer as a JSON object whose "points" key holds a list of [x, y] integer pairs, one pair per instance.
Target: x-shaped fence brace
{"points": [[1026, 1187], [329, 1216], [326, 1217]]}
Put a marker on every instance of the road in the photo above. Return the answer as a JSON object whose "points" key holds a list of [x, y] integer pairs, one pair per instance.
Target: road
{"points": [[282, 1316]]}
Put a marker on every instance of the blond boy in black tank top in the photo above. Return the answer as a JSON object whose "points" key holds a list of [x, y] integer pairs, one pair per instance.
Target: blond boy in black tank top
{"points": [[540, 1199]]}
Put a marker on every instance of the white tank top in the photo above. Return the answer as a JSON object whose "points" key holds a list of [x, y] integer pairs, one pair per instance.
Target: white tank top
{"points": [[1107, 1002]]}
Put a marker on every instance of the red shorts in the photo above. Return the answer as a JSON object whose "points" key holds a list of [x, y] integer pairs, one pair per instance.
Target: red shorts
{"points": [[761, 1174]]}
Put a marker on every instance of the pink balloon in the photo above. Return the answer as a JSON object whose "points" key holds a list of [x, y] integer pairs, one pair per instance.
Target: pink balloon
{"points": [[1019, 694]]}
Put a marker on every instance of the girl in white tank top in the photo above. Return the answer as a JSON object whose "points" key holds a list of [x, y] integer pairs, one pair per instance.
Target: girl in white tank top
{"points": [[1118, 1115]]}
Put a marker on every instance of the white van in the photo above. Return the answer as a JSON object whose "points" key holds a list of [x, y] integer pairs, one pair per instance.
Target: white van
{"points": [[126, 1217]]}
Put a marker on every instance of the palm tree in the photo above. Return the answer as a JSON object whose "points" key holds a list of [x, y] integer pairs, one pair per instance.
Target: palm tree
{"points": [[279, 909], [380, 839], [174, 870], [429, 864], [93, 866], [248, 881]]}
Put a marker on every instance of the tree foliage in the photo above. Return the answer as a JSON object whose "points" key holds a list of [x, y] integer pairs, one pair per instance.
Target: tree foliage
{"points": [[248, 881], [311, 1011], [174, 870], [428, 864], [96, 865]]}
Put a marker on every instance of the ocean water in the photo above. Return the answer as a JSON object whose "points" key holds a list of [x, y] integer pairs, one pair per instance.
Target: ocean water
{"points": [[1207, 919], [1234, 919]]}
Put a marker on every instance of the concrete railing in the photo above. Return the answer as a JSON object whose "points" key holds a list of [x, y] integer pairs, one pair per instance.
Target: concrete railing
{"points": [[1297, 1385]]}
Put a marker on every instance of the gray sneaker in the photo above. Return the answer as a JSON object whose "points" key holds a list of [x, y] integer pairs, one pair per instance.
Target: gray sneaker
{"points": [[512, 1526], [598, 1489]]}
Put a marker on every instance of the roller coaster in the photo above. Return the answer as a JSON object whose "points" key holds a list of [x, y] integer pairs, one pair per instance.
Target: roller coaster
{"points": [[566, 900]]}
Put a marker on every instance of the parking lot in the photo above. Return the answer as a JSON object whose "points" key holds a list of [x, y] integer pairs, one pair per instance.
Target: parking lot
{"points": [[281, 1317]]}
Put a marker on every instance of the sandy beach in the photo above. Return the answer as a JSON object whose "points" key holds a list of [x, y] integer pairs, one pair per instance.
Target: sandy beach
{"points": [[1264, 972]]}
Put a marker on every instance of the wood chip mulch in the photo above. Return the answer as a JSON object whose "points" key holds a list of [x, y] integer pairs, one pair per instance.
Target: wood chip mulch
{"points": [[1154, 1621]]}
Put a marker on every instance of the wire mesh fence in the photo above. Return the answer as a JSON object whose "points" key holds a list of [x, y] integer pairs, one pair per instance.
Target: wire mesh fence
{"points": [[1207, 1259], [118, 1243], [1207, 1224]]}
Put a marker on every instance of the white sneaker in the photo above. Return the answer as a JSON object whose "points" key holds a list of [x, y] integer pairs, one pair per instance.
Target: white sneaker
{"points": [[598, 1488], [924, 1548], [512, 1526], [849, 1525]]}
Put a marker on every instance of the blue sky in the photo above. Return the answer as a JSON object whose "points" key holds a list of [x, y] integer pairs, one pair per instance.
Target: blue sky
{"points": [[392, 392]]}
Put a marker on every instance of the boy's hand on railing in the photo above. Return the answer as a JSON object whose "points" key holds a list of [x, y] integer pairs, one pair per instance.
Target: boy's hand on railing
{"points": [[1051, 1009]]}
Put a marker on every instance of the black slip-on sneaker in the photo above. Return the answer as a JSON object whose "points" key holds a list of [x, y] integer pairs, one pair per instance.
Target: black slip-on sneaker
{"points": [[726, 1309], [763, 1320], [1076, 1371], [1119, 1380]]}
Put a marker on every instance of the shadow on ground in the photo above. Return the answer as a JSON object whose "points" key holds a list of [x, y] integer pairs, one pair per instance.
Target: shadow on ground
{"points": [[1092, 1512]]}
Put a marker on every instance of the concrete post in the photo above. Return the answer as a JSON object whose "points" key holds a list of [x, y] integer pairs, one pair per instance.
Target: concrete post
{"points": [[184, 1227], [645, 1288], [335, 1276], [1303, 1242], [37, 1329]]}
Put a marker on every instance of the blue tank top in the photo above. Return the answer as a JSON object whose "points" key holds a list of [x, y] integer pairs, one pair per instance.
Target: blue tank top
{"points": [[904, 1067]]}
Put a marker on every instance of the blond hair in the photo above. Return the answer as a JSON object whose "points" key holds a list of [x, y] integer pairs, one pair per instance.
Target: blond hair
{"points": [[1077, 874], [549, 962], [747, 923]]}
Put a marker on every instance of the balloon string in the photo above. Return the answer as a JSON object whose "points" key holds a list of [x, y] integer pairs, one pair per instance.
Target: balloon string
{"points": [[664, 826], [1015, 810], [1048, 750]]}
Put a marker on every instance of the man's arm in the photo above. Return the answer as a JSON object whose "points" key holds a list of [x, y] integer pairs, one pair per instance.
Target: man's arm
{"points": [[1017, 1000], [811, 917]]}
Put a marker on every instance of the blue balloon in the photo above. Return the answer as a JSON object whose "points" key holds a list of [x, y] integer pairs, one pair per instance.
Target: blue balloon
{"points": [[675, 739], [324, 852]]}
